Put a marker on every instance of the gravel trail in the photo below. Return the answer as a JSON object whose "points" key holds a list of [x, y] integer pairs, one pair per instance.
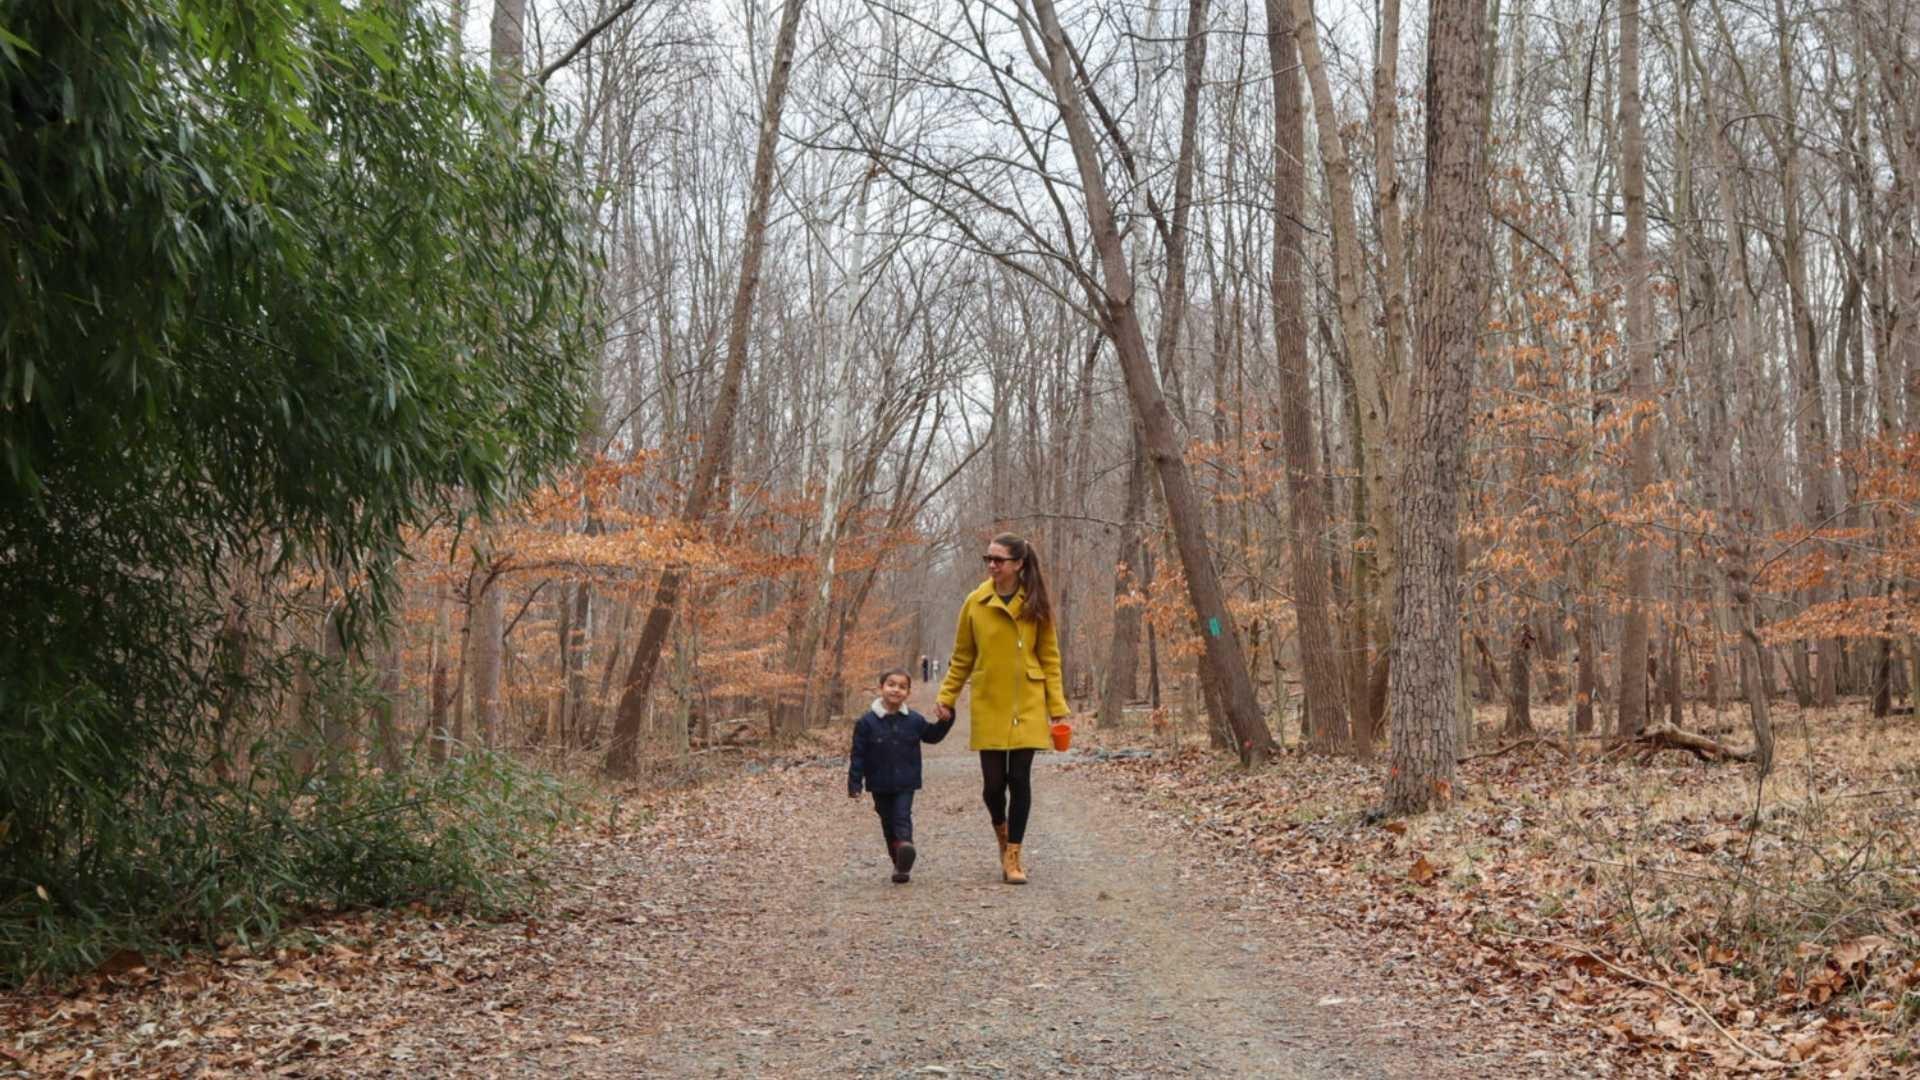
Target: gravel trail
{"points": [[1122, 957]]}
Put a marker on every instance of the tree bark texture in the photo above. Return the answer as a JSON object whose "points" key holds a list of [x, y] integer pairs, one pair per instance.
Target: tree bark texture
{"points": [[1123, 653], [1325, 721], [1639, 395], [1520, 683], [1454, 264], [487, 645]]}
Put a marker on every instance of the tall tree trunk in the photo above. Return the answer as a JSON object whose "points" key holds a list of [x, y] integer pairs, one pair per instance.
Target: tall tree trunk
{"points": [[1587, 665], [1639, 394], [622, 752], [1325, 720], [485, 641], [1393, 357], [1123, 653], [1723, 491], [508, 33], [1153, 635], [458, 697], [579, 643], [1393, 249], [386, 733], [1675, 697], [1370, 441], [1454, 265], [1225, 663], [1755, 657], [1520, 683], [439, 695]]}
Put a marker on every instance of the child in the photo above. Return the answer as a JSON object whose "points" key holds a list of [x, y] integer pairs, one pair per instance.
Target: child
{"points": [[886, 757]]}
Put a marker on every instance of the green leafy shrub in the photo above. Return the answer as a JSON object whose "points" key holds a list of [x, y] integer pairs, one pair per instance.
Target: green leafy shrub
{"points": [[239, 862], [280, 280]]}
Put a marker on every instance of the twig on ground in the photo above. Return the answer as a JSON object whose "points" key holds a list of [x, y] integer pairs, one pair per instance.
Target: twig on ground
{"points": [[1510, 747], [1656, 984]]}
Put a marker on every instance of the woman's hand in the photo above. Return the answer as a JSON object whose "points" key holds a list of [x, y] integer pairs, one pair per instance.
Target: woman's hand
{"points": [[945, 712]]}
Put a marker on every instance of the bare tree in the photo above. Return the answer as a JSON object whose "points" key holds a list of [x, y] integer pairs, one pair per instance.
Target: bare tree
{"points": [[622, 751], [1224, 662]]}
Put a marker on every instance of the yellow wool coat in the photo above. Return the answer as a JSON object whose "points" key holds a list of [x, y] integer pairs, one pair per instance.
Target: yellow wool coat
{"points": [[1015, 668]]}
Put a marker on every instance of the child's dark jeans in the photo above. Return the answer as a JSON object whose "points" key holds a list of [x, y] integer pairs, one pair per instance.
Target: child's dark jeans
{"points": [[896, 815]]}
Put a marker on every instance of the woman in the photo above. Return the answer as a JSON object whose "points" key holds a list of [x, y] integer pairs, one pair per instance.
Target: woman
{"points": [[1005, 642]]}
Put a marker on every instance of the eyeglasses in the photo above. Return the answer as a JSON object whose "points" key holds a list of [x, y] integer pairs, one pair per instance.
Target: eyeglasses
{"points": [[996, 560]]}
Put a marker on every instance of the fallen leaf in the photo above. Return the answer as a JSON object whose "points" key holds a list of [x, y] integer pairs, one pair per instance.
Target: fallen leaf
{"points": [[1851, 954], [1422, 871], [122, 962]]}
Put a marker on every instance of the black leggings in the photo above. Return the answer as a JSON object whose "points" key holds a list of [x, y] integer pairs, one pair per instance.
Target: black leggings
{"points": [[1007, 785]]}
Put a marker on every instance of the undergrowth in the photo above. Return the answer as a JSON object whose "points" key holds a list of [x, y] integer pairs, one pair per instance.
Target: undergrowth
{"points": [[212, 864]]}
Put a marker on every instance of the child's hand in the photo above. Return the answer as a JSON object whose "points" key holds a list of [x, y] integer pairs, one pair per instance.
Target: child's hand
{"points": [[945, 712]]}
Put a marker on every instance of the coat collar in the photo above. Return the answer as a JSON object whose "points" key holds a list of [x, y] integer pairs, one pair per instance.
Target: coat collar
{"points": [[879, 709], [985, 595]]}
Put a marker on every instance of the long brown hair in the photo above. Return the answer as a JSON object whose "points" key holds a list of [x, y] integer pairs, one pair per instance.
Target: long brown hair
{"points": [[1039, 606]]}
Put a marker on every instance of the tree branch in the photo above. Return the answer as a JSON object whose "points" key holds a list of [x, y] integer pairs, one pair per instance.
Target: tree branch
{"points": [[585, 39]]}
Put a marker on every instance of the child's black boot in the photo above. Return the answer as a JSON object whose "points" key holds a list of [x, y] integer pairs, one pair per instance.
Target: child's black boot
{"points": [[903, 854]]}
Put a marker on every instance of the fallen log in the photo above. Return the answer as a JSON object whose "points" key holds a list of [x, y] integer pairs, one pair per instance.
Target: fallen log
{"points": [[1531, 741], [1666, 737]]}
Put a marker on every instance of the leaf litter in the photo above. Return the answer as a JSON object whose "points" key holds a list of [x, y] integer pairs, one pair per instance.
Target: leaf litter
{"points": [[1604, 920], [1698, 923]]}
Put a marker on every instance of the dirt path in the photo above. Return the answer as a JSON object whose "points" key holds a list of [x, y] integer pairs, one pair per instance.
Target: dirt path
{"points": [[756, 934], [1121, 958]]}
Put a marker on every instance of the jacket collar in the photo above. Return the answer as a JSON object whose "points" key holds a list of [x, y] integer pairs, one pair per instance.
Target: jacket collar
{"points": [[879, 709], [985, 595]]}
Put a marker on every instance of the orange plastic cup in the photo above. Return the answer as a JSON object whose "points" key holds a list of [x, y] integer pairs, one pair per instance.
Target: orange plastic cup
{"points": [[1062, 735]]}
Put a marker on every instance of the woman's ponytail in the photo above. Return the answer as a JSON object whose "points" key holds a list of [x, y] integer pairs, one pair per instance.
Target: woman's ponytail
{"points": [[1039, 606]]}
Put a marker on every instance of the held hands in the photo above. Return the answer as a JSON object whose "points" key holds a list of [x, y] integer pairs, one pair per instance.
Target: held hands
{"points": [[945, 712]]}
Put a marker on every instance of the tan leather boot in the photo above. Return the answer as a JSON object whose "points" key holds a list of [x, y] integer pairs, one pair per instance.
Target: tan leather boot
{"points": [[1000, 833], [1010, 871]]}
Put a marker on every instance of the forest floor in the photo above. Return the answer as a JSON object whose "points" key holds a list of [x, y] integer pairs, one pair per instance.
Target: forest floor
{"points": [[1184, 919]]}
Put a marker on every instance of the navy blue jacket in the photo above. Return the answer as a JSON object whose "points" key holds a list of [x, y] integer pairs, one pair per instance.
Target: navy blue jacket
{"points": [[886, 750]]}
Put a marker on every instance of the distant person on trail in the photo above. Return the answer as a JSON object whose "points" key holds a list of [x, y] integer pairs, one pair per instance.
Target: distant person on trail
{"points": [[886, 758], [1005, 642], [926, 668]]}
